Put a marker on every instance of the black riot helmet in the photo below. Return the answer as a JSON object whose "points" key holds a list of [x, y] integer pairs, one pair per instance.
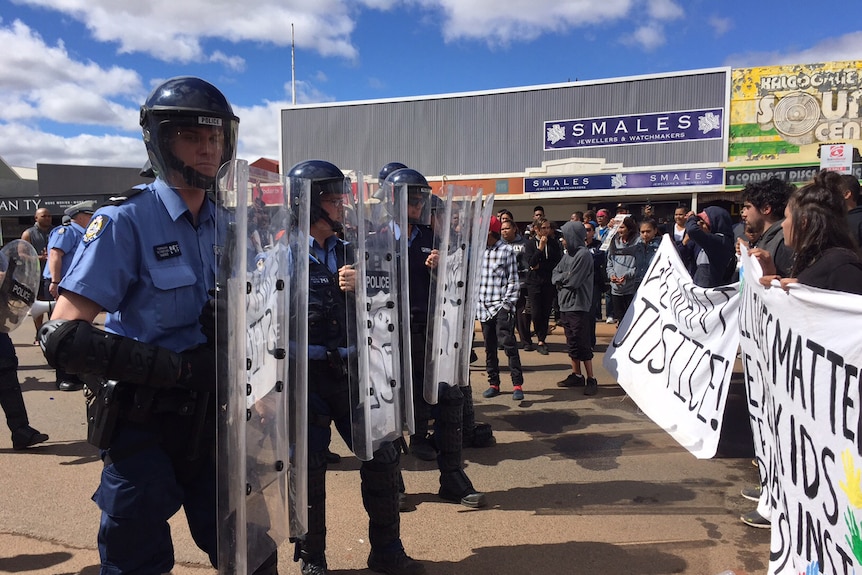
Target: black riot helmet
{"points": [[388, 169], [326, 178], [185, 102], [418, 193]]}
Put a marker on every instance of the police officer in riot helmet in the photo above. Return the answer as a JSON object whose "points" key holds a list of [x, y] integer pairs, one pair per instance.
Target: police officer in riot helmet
{"points": [[446, 443], [152, 370], [388, 169], [331, 287]]}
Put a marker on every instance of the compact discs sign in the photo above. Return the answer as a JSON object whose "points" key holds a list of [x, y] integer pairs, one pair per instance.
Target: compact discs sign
{"points": [[634, 129]]}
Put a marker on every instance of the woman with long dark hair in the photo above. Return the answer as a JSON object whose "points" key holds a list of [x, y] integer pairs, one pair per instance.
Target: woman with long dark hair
{"points": [[625, 266], [815, 228]]}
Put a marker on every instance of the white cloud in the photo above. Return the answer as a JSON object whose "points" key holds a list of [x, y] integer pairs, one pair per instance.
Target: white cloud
{"points": [[39, 82], [175, 31], [649, 36], [21, 145], [664, 10], [259, 130], [846, 47], [235, 63], [505, 21], [720, 25], [27, 62]]}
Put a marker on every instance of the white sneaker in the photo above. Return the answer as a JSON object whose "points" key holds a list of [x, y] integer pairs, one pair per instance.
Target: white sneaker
{"points": [[609, 320]]}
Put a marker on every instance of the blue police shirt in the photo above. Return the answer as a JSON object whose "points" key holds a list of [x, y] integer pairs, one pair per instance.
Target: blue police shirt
{"points": [[66, 239], [149, 267]]}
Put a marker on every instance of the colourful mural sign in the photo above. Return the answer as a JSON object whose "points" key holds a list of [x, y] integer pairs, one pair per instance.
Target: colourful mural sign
{"points": [[785, 113]]}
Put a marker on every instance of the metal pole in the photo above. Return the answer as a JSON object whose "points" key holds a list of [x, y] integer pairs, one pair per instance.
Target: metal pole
{"points": [[292, 67]]}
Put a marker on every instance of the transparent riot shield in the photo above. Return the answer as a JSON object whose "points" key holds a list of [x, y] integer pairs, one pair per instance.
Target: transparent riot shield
{"points": [[261, 416], [483, 210], [402, 228], [446, 305], [376, 389], [19, 283]]}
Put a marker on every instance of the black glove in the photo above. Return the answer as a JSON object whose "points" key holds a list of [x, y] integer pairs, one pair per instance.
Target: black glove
{"points": [[213, 319], [198, 368]]}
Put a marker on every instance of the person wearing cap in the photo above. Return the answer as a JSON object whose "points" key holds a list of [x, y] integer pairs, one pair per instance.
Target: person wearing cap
{"points": [[603, 217], [498, 298], [63, 242]]}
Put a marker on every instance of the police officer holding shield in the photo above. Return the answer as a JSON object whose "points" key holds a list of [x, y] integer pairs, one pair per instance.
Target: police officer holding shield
{"points": [[16, 296], [445, 445], [152, 371], [330, 299]]}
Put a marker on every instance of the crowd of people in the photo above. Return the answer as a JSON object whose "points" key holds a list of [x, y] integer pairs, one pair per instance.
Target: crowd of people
{"points": [[160, 332]]}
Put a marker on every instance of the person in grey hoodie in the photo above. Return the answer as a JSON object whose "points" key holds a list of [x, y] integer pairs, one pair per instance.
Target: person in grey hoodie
{"points": [[625, 266], [573, 278]]}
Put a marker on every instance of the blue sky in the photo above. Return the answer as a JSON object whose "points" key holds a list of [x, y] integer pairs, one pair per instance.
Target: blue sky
{"points": [[73, 73]]}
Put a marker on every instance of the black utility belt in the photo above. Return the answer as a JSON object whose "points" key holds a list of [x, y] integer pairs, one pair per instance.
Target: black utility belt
{"points": [[138, 402]]}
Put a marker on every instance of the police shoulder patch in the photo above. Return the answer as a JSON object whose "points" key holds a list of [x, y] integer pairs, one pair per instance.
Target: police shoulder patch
{"points": [[96, 227], [61, 231]]}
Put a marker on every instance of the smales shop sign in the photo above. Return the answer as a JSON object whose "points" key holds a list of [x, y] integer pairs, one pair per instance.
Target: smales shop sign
{"points": [[632, 180], [634, 129]]}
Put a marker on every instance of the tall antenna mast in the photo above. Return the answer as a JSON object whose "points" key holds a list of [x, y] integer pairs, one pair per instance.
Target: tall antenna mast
{"points": [[292, 67]]}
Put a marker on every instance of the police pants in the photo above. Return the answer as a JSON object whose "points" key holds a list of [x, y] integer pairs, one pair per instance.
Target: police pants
{"points": [[329, 400], [141, 489]]}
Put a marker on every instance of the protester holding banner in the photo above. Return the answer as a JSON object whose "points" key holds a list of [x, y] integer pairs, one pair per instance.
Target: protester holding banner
{"points": [[624, 264], [332, 283], [816, 230], [763, 206], [650, 238], [711, 234], [573, 278], [852, 193]]}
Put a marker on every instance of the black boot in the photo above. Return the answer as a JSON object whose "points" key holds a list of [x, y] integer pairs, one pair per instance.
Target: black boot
{"points": [[311, 549], [380, 498], [394, 563], [12, 403], [454, 484], [474, 434]]}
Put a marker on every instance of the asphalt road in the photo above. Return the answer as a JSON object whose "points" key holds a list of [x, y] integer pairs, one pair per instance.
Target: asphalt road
{"points": [[575, 485]]}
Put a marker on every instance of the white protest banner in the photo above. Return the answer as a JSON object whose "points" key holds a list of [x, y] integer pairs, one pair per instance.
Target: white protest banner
{"points": [[675, 349], [804, 347]]}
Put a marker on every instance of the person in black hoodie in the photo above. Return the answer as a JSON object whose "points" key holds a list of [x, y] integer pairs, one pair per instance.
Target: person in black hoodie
{"points": [[573, 278], [714, 254], [543, 254]]}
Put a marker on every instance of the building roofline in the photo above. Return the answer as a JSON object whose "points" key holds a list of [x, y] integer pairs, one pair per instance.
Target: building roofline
{"points": [[494, 91]]}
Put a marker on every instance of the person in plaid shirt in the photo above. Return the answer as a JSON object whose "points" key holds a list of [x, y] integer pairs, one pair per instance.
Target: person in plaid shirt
{"points": [[498, 295]]}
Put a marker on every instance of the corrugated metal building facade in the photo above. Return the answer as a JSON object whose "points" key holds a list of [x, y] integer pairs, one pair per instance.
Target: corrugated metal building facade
{"points": [[501, 131]]}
